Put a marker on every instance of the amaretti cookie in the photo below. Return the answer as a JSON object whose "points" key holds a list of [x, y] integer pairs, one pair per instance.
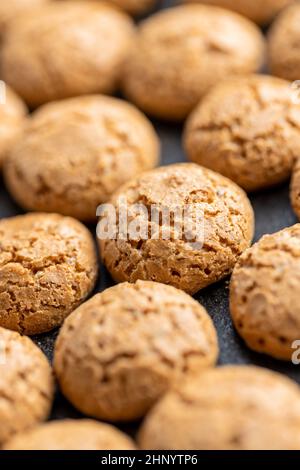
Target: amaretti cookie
{"points": [[228, 408], [48, 266], [71, 434], [53, 51], [26, 384], [121, 350], [264, 294], [260, 11], [77, 152], [193, 227], [12, 119], [10, 9], [295, 188], [248, 129], [284, 44], [135, 7], [181, 52]]}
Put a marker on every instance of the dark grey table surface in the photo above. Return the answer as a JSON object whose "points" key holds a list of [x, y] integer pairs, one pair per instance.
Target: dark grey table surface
{"points": [[272, 213]]}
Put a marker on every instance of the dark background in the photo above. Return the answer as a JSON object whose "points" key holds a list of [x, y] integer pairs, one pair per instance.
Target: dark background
{"points": [[272, 213]]}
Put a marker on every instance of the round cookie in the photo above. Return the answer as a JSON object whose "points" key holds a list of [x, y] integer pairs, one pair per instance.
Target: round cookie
{"points": [[26, 384], [260, 11], [121, 350], [247, 129], [48, 266], [284, 44], [264, 293], [12, 117], [181, 52], [77, 152], [10, 9], [228, 408], [53, 52], [71, 434], [135, 7], [215, 227]]}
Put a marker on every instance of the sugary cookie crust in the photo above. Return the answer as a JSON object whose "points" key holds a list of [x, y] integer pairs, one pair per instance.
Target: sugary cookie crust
{"points": [[53, 52], [260, 11], [264, 294], [121, 350], [247, 129], [228, 408], [227, 228], [26, 384], [77, 152], [48, 266], [181, 52], [71, 434], [283, 44]]}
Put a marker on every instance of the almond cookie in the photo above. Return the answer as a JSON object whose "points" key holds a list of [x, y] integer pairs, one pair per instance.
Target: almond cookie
{"points": [[9, 9], [228, 408], [76, 152], [181, 52], [295, 189], [122, 349], [71, 434], [284, 44], [264, 294], [26, 384], [48, 266], [135, 7], [53, 51], [12, 118], [248, 129], [214, 225], [260, 11]]}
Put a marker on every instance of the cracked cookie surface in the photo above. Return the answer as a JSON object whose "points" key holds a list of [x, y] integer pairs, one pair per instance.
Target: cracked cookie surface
{"points": [[48, 266], [181, 52], [260, 11], [122, 349], [284, 44], [227, 408], [216, 212], [12, 118], [264, 294], [52, 52], [135, 7], [77, 152], [26, 384], [247, 129], [71, 434]]}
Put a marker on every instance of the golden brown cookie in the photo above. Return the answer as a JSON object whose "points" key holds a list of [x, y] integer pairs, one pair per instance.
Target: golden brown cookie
{"points": [[135, 7], [10, 9], [248, 129], [76, 152], [260, 11], [122, 349], [12, 118], [215, 225], [284, 44], [181, 52], [48, 266], [264, 292], [228, 408], [71, 434], [26, 384], [295, 188], [66, 49]]}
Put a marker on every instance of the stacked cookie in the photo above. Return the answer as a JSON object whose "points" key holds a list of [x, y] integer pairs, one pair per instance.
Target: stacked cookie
{"points": [[144, 349]]}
